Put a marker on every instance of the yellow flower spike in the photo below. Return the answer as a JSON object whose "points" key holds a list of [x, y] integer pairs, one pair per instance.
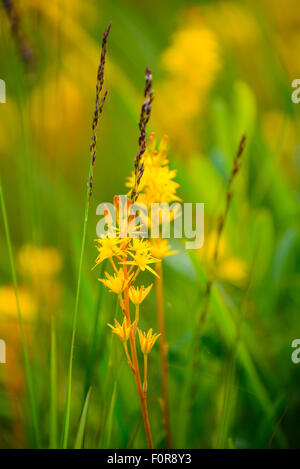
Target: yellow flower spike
{"points": [[122, 331], [137, 295], [116, 283], [147, 341], [157, 184]]}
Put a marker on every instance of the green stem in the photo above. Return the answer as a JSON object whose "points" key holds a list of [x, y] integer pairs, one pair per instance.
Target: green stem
{"points": [[28, 373], [92, 352]]}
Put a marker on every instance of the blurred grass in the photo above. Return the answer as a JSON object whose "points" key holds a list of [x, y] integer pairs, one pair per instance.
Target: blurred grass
{"points": [[245, 378]]}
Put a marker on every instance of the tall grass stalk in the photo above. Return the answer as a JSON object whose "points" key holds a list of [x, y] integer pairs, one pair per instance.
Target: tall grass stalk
{"points": [[95, 333], [230, 382], [28, 371], [193, 365], [98, 111]]}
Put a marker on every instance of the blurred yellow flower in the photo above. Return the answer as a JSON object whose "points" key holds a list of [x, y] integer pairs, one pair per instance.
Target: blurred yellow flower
{"points": [[8, 305], [235, 24], [57, 109], [192, 58], [160, 248], [36, 262], [229, 268], [285, 30], [147, 341], [137, 295], [281, 135], [191, 62]]}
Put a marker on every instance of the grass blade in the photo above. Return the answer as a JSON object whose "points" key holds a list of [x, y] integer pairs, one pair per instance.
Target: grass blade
{"points": [[53, 383], [82, 423], [110, 418]]}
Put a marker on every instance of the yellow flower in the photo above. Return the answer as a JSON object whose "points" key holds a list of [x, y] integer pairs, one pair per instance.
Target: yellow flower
{"points": [[141, 260], [139, 245], [147, 341], [160, 248], [121, 331], [137, 295], [116, 283], [107, 248], [139, 250]]}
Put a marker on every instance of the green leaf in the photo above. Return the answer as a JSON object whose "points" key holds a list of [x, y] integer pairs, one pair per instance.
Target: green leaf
{"points": [[82, 424]]}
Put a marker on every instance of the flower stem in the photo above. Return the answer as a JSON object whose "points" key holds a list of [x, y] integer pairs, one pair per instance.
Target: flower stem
{"points": [[128, 356], [145, 373], [136, 371], [163, 354]]}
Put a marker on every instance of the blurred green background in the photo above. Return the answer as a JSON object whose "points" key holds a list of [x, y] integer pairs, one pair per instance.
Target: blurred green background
{"points": [[220, 68]]}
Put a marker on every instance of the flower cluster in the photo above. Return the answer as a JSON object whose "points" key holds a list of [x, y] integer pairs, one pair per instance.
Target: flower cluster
{"points": [[129, 254], [157, 186], [128, 257]]}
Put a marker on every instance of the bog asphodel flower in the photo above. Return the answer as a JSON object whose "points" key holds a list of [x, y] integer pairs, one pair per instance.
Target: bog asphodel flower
{"points": [[147, 341], [122, 331], [107, 248], [116, 283], [137, 295], [142, 261]]}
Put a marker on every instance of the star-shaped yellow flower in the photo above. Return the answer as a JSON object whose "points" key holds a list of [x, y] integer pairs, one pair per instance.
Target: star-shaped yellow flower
{"points": [[141, 260], [122, 331], [147, 341], [107, 247], [116, 283], [137, 295]]}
